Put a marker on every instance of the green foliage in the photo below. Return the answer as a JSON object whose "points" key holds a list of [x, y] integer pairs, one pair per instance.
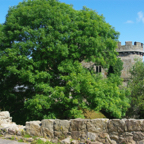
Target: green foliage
{"points": [[116, 68], [21, 140], [39, 141], [12, 138], [137, 92], [43, 43], [27, 136]]}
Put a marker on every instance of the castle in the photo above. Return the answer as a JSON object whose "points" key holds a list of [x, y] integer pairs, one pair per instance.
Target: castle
{"points": [[127, 53]]}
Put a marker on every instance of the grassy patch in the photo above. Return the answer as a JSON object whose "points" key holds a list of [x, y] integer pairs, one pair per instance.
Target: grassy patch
{"points": [[34, 137], [39, 141], [92, 114], [26, 136], [12, 138], [20, 140]]}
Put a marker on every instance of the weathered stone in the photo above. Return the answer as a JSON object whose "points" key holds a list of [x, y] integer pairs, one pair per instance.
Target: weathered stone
{"points": [[140, 142], [74, 142], [138, 136], [61, 128], [96, 142], [88, 141], [83, 135], [5, 119], [47, 128], [55, 140], [44, 140], [4, 130], [29, 139], [116, 125], [60, 135], [66, 141], [11, 128], [75, 135], [134, 125], [127, 141], [46, 133], [104, 138], [114, 136], [91, 136], [97, 125], [78, 124], [18, 133], [11, 132], [79, 135], [113, 142], [33, 128], [4, 114], [62, 125], [126, 137]]}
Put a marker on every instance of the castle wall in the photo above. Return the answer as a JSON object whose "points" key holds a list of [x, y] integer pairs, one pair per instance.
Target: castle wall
{"points": [[128, 62], [128, 53], [90, 131], [94, 67]]}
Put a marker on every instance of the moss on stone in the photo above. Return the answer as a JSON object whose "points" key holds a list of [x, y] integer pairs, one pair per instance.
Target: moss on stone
{"points": [[91, 114]]}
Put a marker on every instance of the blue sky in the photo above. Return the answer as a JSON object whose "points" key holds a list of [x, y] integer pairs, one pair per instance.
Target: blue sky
{"points": [[127, 16]]}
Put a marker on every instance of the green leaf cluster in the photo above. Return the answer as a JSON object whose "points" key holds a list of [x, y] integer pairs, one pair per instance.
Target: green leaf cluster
{"points": [[136, 84], [116, 68]]}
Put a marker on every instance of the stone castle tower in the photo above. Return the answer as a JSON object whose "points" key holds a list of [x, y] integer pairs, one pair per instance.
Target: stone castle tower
{"points": [[127, 53]]}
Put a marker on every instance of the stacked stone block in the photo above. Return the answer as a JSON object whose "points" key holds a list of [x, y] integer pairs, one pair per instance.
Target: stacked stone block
{"points": [[5, 117]]}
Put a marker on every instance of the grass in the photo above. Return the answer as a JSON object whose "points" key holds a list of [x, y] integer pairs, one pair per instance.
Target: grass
{"points": [[41, 142], [12, 138], [34, 137], [26, 136], [20, 140], [91, 114]]}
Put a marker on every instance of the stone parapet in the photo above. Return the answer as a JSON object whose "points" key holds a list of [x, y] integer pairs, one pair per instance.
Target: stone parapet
{"points": [[104, 131], [128, 47]]}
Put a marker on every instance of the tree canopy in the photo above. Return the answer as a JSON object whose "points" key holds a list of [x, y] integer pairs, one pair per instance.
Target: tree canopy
{"points": [[116, 68], [42, 45], [136, 84]]}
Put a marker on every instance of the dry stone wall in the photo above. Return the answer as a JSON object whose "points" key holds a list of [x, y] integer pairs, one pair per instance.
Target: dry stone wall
{"points": [[94, 131]]}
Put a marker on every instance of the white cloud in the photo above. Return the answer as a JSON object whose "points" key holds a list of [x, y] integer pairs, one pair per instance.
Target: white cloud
{"points": [[140, 16], [129, 21]]}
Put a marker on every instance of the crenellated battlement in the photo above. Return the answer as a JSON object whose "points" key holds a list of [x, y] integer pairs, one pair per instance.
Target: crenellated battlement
{"points": [[128, 47]]}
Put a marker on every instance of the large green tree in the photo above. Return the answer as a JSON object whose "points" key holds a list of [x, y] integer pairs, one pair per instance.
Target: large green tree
{"points": [[42, 45]]}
